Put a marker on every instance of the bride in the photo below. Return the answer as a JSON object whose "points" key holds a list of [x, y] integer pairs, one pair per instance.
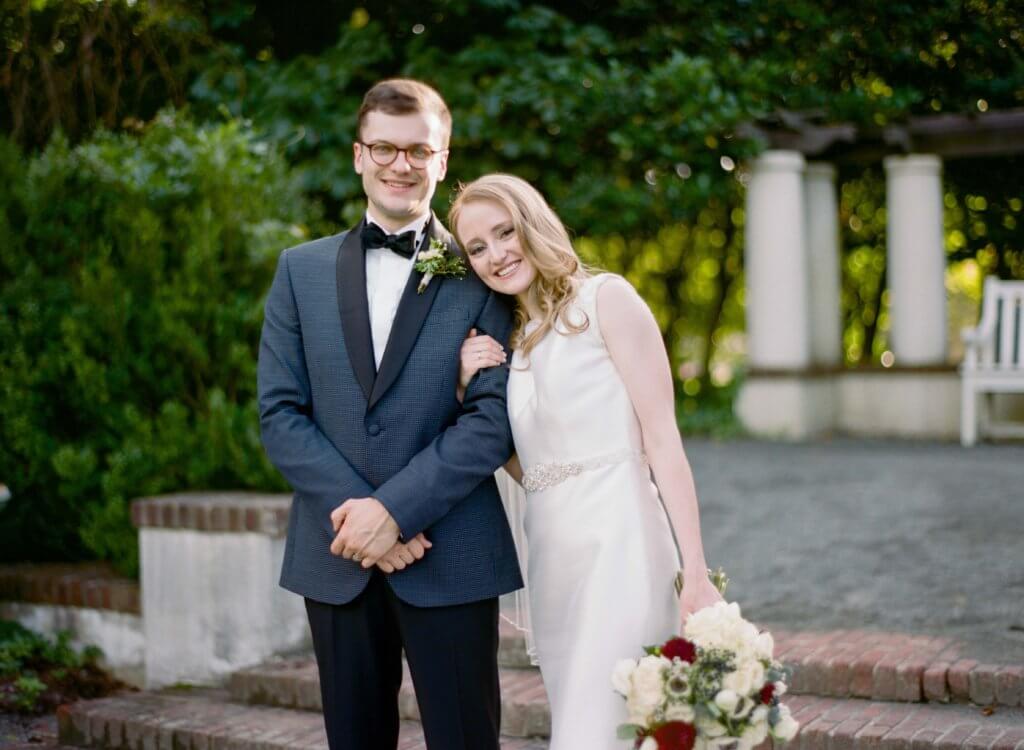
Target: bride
{"points": [[592, 411]]}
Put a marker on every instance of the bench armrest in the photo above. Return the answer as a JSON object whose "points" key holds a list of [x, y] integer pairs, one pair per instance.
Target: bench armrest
{"points": [[976, 336]]}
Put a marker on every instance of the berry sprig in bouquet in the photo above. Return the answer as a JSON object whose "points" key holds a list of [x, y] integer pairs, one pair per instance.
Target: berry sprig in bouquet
{"points": [[716, 687]]}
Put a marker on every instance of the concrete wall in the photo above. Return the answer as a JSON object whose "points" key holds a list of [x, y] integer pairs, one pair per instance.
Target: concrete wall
{"points": [[210, 600], [118, 634]]}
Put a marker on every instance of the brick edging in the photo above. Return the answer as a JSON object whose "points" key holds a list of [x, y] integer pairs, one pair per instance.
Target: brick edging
{"points": [[92, 585], [895, 667], [231, 512]]}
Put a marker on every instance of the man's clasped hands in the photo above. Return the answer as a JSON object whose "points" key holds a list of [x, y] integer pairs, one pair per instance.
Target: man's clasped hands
{"points": [[366, 533]]}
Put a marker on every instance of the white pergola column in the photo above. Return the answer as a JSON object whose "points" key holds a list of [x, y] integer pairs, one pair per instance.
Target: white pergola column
{"points": [[822, 216], [916, 259], [778, 331]]}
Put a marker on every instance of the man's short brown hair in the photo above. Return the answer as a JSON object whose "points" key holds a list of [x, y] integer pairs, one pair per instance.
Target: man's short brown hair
{"points": [[403, 96]]}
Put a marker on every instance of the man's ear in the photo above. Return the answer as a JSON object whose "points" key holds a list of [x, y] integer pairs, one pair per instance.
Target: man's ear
{"points": [[443, 169], [357, 162]]}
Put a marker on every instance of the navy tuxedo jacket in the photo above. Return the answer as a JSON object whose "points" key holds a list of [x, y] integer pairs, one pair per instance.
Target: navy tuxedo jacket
{"points": [[336, 429]]}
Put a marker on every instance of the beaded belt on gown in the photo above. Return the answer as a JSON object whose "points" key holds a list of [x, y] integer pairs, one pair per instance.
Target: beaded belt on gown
{"points": [[541, 476]]}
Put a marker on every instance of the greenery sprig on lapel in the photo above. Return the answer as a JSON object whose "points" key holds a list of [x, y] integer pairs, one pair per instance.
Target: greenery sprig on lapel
{"points": [[437, 260]]}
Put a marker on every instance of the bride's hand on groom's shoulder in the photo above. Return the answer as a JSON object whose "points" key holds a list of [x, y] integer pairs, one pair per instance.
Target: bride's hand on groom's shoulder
{"points": [[401, 556], [696, 596]]}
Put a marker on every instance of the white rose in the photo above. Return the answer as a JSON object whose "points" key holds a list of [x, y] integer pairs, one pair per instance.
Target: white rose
{"points": [[780, 688], [649, 743], [722, 626], [764, 645], [746, 633], [785, 728], [679, 712], [759, 714], [757, 675], [622, 675], [755, 734], [648, 689], [745, 679], [727, 700]]}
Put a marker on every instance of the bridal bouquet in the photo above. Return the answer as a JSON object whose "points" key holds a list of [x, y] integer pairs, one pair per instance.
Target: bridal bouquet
{"points": [[716, 687]]}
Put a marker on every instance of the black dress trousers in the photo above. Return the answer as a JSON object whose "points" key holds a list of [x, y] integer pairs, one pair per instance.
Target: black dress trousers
{"points": [[452, 654]]}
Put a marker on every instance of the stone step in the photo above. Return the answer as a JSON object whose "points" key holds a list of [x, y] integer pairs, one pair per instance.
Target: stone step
{"points": [[295, 684], [512, 647], [866, 664], [857, 724], [891, 666], [201, 720]]}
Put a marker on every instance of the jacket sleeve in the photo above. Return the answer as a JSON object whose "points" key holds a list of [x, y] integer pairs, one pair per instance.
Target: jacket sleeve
{"points": [[467, 452], [310, 463]]}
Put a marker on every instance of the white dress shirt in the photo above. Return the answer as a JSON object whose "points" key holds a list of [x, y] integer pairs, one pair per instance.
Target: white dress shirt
{"points": [[387, 273]]}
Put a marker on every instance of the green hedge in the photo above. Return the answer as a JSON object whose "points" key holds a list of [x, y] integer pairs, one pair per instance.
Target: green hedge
{"points": [[132, 273]]}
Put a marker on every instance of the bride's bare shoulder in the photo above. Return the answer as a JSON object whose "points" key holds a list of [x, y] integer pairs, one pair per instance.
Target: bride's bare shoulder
{"points": [[621, 311]]}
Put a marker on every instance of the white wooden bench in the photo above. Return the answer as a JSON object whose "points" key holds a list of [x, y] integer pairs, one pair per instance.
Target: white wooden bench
{"points": [[993, 359]]}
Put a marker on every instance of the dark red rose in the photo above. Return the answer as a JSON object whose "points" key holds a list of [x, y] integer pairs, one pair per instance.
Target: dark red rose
{"points": [[676, 735], [681, 648], [767, 692]]}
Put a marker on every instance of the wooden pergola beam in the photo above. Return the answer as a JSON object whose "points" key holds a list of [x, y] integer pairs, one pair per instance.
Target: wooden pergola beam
{"points": [[950, 136]]}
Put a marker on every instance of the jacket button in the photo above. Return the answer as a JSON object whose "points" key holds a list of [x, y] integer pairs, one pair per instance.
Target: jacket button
{"points": [[374, 429]]}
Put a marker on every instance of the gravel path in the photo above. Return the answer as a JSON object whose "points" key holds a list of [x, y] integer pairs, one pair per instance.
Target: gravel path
{"points": [[924, 537], [19, 730]]}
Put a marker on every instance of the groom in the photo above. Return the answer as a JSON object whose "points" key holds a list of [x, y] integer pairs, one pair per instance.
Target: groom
{"points": [[357, 395]]}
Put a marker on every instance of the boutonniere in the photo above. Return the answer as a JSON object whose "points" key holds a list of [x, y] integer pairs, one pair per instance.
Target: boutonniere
{"points": [[438, 261]]}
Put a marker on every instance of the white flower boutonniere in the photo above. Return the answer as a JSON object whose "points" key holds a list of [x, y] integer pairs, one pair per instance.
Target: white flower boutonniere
{"points": [[437, 261]]}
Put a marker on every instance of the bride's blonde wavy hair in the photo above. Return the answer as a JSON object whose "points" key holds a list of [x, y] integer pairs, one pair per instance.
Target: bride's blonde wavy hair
{"points": [[544, 241]]}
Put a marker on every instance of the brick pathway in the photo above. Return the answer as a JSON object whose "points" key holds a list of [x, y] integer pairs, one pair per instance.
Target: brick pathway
{"points": [[837, 724]]}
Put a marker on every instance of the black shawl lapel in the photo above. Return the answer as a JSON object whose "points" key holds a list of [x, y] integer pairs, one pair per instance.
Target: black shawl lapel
{"points": [[412, 311], [354, 308]]}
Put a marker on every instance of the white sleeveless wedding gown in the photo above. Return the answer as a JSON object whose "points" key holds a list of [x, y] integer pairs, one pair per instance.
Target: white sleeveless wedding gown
{"points": [[600, 554]]}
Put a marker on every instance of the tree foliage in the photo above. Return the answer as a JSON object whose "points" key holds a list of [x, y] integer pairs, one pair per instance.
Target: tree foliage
{"points": [[134, 256], [74, 65], [132, 273]]}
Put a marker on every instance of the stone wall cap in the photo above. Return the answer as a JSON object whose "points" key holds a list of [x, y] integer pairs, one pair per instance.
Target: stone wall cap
{"points": [[93, 585], [225, 512]]}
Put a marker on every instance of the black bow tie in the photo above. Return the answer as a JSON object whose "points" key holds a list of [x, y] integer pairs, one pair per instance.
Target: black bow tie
{"points": [[403, 244]]}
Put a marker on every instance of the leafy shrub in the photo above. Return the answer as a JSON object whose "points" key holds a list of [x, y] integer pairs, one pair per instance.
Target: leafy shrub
{"points": [[37, 674], [132, 273]]}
